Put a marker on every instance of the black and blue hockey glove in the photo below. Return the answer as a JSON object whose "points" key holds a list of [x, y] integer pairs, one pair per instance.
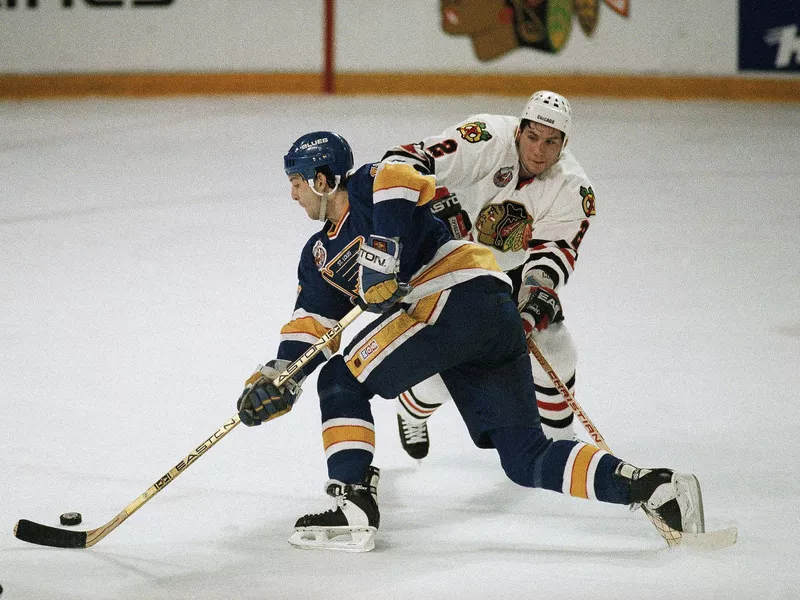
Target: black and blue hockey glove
{"points": [[261, 401]]}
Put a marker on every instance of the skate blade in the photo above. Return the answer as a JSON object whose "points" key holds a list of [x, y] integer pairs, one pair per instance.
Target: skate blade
{"points": [[709, 540], [343, 539]]}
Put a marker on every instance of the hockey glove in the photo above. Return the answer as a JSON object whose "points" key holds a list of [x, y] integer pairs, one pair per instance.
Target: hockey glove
{"points": [[261, 401], [379, 262], [448, 209], [539, 307]]}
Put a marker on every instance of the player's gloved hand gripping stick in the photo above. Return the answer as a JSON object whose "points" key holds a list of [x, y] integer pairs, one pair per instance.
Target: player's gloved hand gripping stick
{"points": [[44, 535], [262, 400]]}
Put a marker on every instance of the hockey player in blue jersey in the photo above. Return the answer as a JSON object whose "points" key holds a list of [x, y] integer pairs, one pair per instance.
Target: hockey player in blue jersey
{"points": [[445, 307]]}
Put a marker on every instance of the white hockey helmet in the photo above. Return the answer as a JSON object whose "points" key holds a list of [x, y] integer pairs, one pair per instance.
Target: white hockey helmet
{"points": [[551, 109]]}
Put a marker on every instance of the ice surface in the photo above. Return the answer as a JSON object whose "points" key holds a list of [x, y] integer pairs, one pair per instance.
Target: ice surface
{"points": [[148, 252]]}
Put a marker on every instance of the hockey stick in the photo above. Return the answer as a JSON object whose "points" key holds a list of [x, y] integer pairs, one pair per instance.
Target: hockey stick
{"points": [[708, 540], [44, 535], [568, 397]]}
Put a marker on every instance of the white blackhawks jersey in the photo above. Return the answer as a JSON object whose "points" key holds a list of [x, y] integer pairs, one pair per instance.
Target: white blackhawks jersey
{"points": [[538, 223]]}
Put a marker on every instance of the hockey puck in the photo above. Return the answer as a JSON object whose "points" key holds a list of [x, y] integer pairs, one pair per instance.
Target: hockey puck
{"points": [[71, 518]]}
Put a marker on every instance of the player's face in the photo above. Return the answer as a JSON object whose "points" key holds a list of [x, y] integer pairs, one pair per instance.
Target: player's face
{"points": [[539, 147], [305, 196]]}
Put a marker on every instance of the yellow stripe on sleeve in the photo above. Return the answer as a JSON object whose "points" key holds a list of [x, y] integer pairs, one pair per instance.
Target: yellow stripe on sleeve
{"points": [[403, 181], [304, 325], [309, 326]]}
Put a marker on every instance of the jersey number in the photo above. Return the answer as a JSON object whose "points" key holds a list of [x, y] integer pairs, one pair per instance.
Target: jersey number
{"points": [[576, 241], [444, 147]]}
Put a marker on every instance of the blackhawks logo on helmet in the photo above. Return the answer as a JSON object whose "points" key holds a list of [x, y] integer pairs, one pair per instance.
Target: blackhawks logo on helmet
{"points": [[475, 132], [505, 227], [588, 201]]}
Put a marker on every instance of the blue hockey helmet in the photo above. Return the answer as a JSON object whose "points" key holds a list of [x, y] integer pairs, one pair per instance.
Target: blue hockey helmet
{"points": [[318, 149]]}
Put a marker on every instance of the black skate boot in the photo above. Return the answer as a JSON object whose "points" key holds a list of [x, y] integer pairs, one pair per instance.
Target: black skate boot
{"points": [[414, 437], [673, 499], [351, 525]]}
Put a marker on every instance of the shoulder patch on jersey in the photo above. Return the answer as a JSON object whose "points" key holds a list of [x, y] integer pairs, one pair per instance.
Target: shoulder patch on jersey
{"points": [[475, 132], [588, 201], [503, 177], [373, 170], [320, 254], [505, 227]]}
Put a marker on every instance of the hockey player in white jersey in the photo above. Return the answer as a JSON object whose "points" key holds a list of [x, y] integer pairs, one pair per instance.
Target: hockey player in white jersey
{"points": [[510, 183]]}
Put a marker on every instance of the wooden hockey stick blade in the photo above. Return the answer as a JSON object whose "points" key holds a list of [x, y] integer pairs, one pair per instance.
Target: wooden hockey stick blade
{"points": [[710, 540], [44, 535]]}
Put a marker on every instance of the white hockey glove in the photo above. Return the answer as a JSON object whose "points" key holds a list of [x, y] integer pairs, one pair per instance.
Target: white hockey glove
{"points": [[378, 286]]}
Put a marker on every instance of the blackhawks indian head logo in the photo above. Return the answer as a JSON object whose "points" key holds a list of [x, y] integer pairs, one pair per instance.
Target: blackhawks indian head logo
{"points": [[499, 26], [475, 132], [506, 226]]}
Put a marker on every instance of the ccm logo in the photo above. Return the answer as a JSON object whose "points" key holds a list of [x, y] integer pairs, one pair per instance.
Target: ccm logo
{"points": [[368, 350]]}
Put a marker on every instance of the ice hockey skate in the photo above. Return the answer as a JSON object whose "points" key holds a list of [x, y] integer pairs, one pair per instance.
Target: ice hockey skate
{"points": [[674, 504], [414, 437], [350, 526], [674, 498]]}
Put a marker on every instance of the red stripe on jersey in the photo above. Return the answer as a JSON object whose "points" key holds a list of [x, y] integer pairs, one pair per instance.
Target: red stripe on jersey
{"points": [[570, 258]]}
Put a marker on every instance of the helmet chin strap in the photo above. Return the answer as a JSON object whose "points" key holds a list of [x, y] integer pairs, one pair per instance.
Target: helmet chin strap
{"points": [[323, 196], [323, 206]]}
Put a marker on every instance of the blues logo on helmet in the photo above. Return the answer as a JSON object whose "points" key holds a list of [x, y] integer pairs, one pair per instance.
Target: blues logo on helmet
{"points": [[319, 149]]}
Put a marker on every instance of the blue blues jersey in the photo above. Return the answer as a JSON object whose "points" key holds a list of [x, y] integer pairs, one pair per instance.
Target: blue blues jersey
{"points": [[459, 320], [387, 199]]}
